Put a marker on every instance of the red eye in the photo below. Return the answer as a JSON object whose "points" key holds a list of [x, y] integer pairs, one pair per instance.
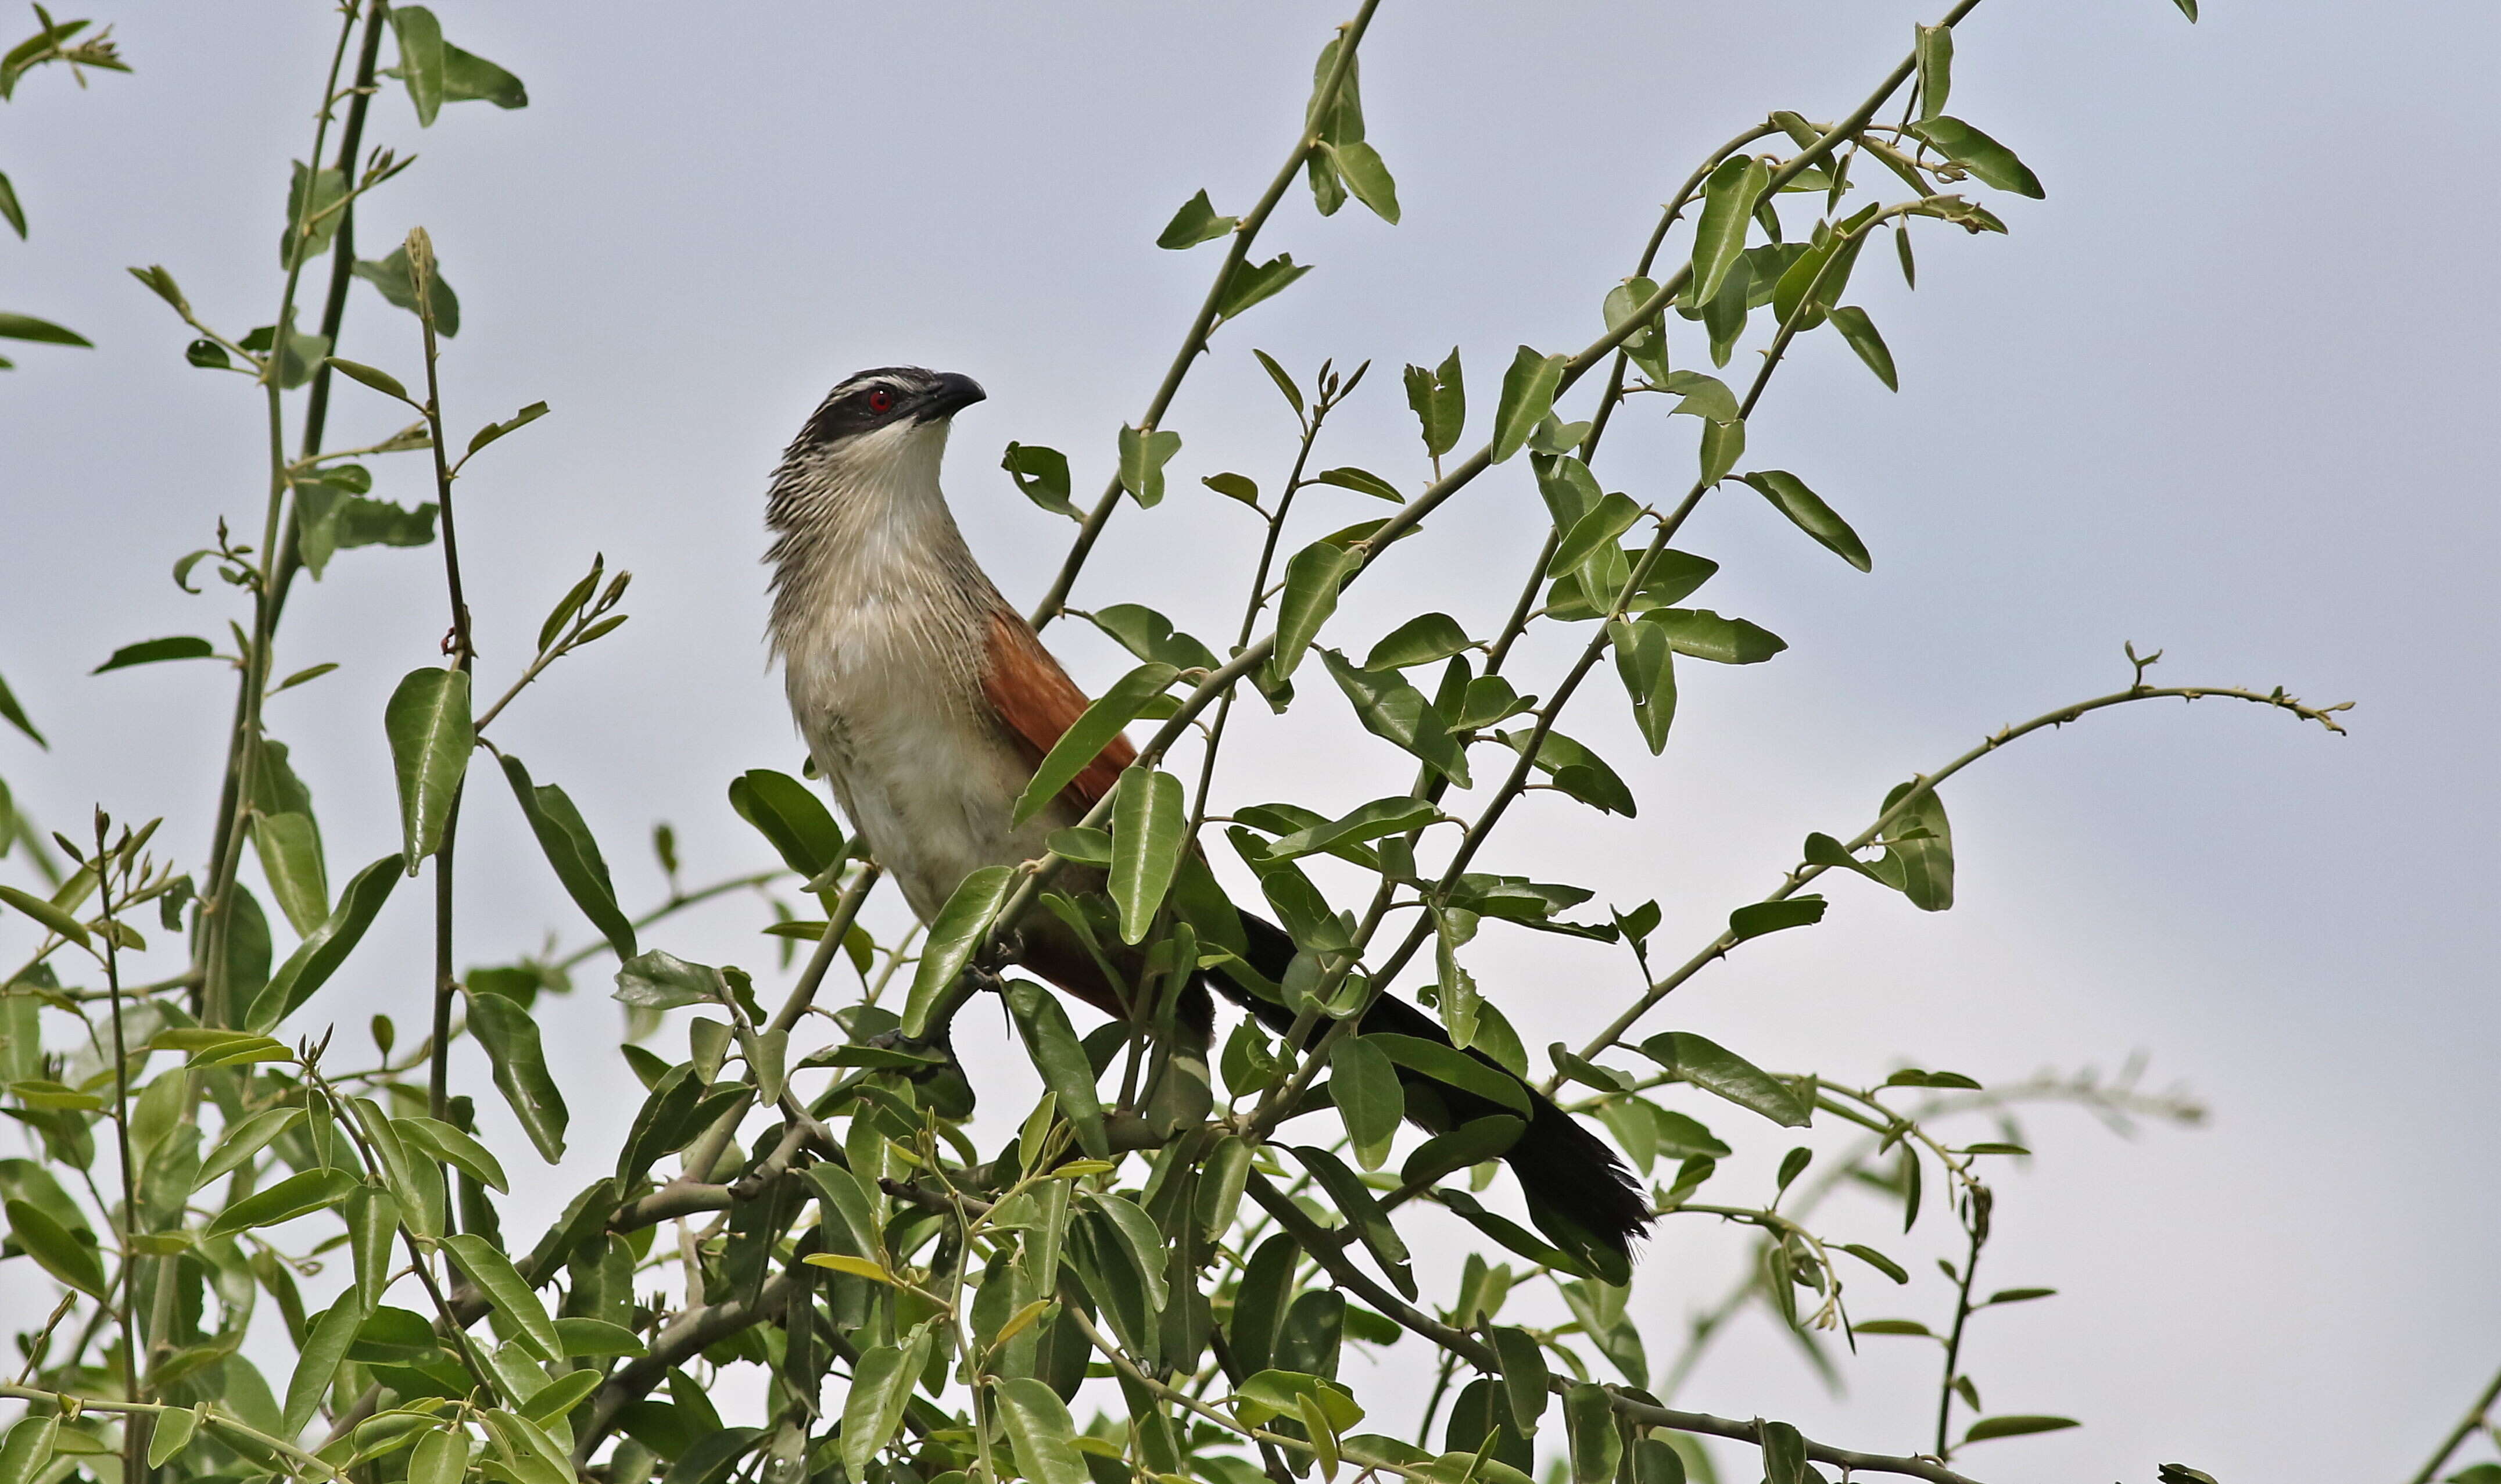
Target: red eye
{"points": [[880, 401]]}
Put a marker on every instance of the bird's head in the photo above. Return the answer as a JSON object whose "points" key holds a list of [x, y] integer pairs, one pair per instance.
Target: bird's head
{"points": [[886, 409], [872, 445]]}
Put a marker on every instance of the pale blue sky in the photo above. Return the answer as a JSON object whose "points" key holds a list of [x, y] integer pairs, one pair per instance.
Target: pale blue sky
{"points": [[2226, 392]]}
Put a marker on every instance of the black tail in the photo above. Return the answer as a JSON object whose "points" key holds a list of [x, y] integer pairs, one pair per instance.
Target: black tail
{"points": [[1578, 1191]]}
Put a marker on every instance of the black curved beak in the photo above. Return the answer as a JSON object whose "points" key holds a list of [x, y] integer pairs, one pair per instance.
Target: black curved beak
{"points": [[952, 394]]}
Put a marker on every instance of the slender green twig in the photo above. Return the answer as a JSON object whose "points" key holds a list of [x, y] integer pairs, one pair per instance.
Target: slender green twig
{"points": [[242, 751], [463, 653], [134, 1444], [2480, 1415], [1974, 1209], [1244, 232]]}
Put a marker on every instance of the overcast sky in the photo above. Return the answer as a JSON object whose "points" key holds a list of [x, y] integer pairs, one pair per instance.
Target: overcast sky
{"points": [[2191, 402]]}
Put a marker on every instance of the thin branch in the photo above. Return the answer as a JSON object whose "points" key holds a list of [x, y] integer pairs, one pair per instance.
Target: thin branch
{"points": [[2476, 1416], [1328, 1249], [1323, 102], [1805, 872]]}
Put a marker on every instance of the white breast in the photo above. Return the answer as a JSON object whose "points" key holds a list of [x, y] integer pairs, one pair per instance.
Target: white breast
{"points": [[881, 620]]}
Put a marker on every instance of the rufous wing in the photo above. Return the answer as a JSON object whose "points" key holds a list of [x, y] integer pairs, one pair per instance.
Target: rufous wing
{"points": [[1037, 703]]}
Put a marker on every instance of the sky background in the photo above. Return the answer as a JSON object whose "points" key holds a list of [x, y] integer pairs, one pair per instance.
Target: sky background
{"points": [[2190, 401]]}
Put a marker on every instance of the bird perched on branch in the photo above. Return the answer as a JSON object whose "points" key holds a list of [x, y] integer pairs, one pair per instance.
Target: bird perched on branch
{"points": [[927, 701]]}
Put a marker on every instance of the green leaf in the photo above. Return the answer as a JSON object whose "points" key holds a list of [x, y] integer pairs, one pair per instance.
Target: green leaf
{"points": [[1783, 1454], [327, 946], [242, 1140], [1992, 162], [1253, 282], [1196, 222], [1364, 1084], [496, 430], [1143, 454], [1719, 233], [1284, 383], [1597, 1447], [1724, 314], [1508, 1233], [1772, 916], [26, 1455], [955, 933], [289, 847], [1524, 1377], [1149, 816], [1528, 390], [150, 651], [16, 716], [467, 77], [1706, 636], [1085, 738], [505, 1288], [1934, 49], [1723, 445], [42, 331], [1394, 815], [1860, 331], [1472, 1142], [449, 1143], [1422, 640], [314, 207], [597, 1337], [1715, 1068], [881, 1384], [369, 376], [427, 721], [52, 918], [10, 210], [567, 843], [1234, 486], [57, 1250], [421, 58], [1273, 1392], [1313, 577], [1890, 1326], [1578, 772], [1051, 1045], [2188, 8], [1353, 1201], [1645, 664], [1702, 395], [1440, 399], [1396, 711], [1148, 635], [298, 1194], [654, 980], [1361, 166], [1918, 848], [1646, 346], [1458, 1068], [512, 1042], [173, 1434], [1361, 481], [1040, 1433], [373, 1229], [1807, 510], [1042, 473], [2016, 1426], [790, 816], [1612, 516], [317, 1365]]}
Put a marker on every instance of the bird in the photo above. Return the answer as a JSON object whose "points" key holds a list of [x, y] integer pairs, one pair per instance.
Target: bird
{"points": [[926, 702]]}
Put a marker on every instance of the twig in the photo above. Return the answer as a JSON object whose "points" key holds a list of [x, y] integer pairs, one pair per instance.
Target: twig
{"points": [[2476, 1416], [1328, 1249], [1324, 103]]}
